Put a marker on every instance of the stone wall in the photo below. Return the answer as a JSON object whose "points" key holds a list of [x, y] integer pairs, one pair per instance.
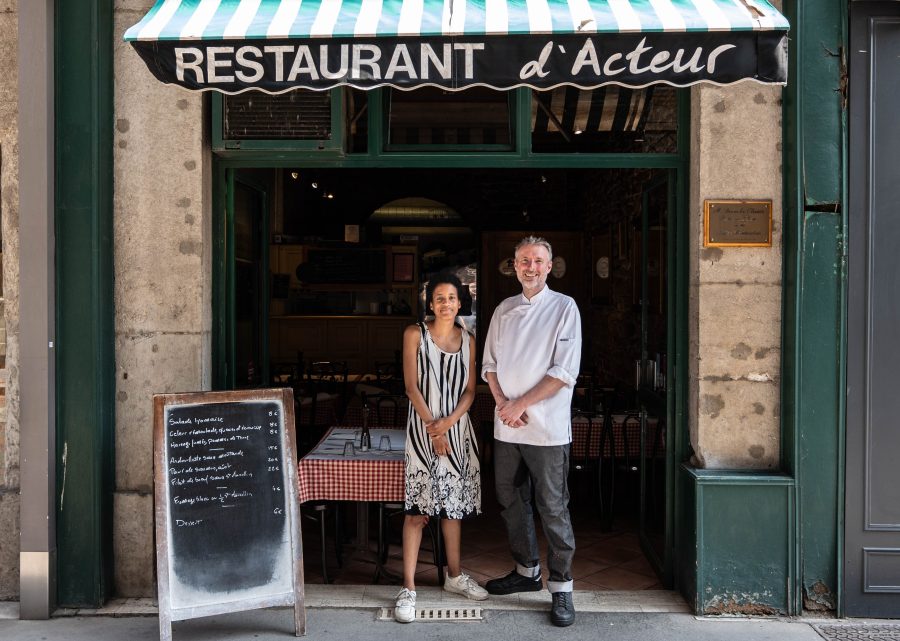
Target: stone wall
{"points": [[9, 219], [735, 292], [162, 280]]}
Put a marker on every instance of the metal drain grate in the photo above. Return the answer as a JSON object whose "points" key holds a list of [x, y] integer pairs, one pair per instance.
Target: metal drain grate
{"points": [[859, 632], [437, 614]]}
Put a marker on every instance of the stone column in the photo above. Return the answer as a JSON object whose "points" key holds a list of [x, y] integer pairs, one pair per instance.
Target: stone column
{"points": [[9, 218], [163, 279], [735, 292]]}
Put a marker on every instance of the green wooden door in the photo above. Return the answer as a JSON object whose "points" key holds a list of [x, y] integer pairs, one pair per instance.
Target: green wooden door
{"points": [[655, 462], [247, 279]]}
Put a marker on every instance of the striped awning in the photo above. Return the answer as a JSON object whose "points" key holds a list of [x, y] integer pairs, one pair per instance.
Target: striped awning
{"points": [[277, 45]]}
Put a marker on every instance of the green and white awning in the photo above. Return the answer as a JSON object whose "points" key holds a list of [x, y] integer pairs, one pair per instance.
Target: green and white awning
{"points": [[277, 45]]}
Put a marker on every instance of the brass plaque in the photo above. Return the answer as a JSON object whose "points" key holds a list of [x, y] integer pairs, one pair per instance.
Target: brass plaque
{"points": [[737, 223]]}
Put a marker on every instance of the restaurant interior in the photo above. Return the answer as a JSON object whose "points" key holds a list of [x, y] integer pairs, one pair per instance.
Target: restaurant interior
{"points": [[349, 254]]}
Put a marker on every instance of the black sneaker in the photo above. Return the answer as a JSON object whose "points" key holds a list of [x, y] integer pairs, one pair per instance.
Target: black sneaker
{"points": [[562, 612], [512, 583]]}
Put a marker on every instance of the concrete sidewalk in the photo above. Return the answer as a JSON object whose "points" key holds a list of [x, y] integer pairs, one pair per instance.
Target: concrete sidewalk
{"points": [[336, 612], [347, 624]]}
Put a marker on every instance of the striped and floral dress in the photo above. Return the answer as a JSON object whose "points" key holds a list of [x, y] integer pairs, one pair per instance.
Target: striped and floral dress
{"points": [[446, 486]]}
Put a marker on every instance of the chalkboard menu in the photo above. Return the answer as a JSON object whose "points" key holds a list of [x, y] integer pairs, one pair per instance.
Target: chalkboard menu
{"points": [[227, 531], [343, 265]]}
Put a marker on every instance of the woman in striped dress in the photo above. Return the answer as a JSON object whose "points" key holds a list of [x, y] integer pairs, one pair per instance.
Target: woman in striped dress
{"points": [[443, 478]]}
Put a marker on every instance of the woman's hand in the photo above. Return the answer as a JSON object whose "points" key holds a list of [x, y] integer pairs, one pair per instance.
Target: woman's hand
{"points": [[438, 427], [440, 445]]}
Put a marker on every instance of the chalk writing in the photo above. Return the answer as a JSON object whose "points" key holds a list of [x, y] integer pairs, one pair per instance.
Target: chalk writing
{"points": [[224, 467]]}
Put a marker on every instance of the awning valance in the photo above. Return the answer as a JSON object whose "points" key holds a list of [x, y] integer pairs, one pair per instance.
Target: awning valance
{"points": [[278, 45]]}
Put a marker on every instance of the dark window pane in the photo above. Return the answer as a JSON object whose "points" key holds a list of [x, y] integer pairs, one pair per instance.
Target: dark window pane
{"points": [[609, 119], [357, 125], [431, 116]]}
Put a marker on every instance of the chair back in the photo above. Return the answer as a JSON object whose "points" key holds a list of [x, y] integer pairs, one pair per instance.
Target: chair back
{"points": [[318, 400], [331, 373], [628, 438], [389, 375], [585, 439], [390, 410], [283, 374]]}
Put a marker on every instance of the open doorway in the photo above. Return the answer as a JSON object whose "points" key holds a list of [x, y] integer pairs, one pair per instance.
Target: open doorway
{"points": [[349, 255]]}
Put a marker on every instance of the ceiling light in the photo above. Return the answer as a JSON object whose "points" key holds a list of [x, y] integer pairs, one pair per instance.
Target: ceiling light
{"points": [[578, 132], [295, 175], [314, 185]]}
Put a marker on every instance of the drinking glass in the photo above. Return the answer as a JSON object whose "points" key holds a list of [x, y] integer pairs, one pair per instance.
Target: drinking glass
{"points": [[384, 443], [349, 449]]}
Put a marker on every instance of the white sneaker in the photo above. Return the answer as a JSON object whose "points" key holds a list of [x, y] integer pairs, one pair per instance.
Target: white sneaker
{"points": [[405, 608], [466, 586]]}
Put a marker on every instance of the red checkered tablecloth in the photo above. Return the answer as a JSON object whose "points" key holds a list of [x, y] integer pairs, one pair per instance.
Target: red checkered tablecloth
{"points": [[324, 475], [623, 427]]}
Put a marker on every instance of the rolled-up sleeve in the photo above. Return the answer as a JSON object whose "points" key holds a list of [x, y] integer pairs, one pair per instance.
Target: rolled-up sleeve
{"points": [[489, 357], [567, 354]]}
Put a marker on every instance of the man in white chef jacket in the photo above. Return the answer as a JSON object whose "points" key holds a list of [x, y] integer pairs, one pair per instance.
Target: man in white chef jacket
{"points": [[531, 361]]}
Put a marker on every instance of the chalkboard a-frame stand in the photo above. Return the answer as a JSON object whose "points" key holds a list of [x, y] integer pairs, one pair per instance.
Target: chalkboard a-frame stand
{"points": [[227, 522]]}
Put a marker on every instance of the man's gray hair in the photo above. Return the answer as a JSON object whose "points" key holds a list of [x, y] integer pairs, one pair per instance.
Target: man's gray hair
{"points": [[534, 240]]}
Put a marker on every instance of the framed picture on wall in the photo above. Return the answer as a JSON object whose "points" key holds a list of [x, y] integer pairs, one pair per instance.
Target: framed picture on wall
{"points": [[403, 268], [601, 267]]}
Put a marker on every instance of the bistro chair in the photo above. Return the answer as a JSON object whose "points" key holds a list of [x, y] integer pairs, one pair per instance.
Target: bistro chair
{"points": [[390, 410], [387, 511], [317, 400], [283, 374], [620, 461], [389, 374], [329, 377], [584, 455], [318, 511]]}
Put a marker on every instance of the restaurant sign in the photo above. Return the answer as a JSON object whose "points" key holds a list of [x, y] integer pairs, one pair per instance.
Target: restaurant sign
{"points": [[457, 62]]}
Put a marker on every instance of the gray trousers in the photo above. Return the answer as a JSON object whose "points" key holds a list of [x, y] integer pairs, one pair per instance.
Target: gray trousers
{"points": [[518, 469]]}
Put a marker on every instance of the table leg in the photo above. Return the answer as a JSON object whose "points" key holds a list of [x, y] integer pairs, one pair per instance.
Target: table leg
{"points": [[363, 550], [362, 526]]}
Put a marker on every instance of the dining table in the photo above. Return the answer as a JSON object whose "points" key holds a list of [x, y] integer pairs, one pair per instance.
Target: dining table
{"points": [[336, 469], [623, 441]]}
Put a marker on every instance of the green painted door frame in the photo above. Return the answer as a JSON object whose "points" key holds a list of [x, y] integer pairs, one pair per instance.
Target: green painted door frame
{"points": [[813, 344], [85, 365], [233, 181], [227, 161], [814, 285]]}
